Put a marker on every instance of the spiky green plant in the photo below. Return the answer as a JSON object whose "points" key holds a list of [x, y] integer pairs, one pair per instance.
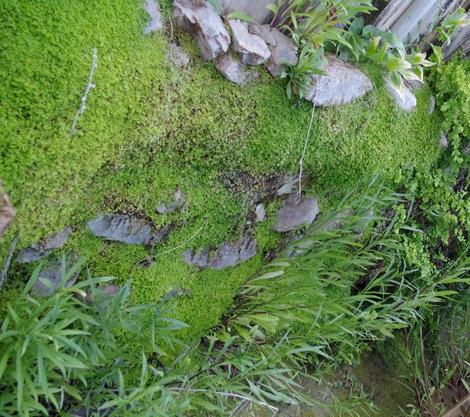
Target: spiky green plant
{"points": [[52, 348]]}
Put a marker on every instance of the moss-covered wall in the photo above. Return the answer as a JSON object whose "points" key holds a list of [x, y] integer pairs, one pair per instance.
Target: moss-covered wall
{"points": [[150, 127]]}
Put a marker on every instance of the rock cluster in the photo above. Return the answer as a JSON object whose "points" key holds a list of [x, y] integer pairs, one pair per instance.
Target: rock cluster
{"points": [[253, 44], [257, 44]]}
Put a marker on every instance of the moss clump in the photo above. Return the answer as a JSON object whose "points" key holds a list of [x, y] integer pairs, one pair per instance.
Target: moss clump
{"points": [[150, 128]]}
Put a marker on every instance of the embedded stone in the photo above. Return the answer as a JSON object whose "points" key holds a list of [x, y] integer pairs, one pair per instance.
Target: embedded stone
{"points": [[260, 213], [178, 56], [234, 71], [296, 212], [341, 84], [45, 247], [196, 258], [207, 27], [283, 53], [51, 280], [230, 254], [403, 97], [178, 203], [252, 48], [122, 228], [264, 32], [153, 9]]}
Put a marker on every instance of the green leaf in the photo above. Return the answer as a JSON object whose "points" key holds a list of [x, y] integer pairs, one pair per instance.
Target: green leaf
{"points": [[241, 16]]}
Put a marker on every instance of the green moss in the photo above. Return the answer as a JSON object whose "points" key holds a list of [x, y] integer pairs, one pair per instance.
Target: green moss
{"points": [[150, 128]]}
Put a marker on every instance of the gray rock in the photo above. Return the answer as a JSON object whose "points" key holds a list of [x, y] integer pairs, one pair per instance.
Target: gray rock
{"points": [[178, 203], [176, 293], [7, 212], [403, 97], [466, 149], [283, 52], [256, 9], [178, 56], [264, 32], [443, 141], [153, 9], [247, 249], [44, 248], [50, 280], [122, 228], [290, 185], [205, 24], [260, 213], [432, 104], [234, 71], [196, 258], [341, 84], [252, 48], [230, 254], [296, 212]]}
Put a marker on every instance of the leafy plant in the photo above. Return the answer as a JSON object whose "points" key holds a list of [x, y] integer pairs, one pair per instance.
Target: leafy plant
{"points": [[345, 283], [436, 352], [311, 61], [451, 24], [52, 348]]}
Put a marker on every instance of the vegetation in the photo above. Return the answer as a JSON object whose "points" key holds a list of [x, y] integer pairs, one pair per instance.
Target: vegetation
{"points": [[379, 265], [155, 138], [324, 304]]}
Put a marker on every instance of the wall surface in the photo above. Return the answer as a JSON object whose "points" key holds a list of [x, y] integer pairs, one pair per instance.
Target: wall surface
{"points": [[254, 8], [411, 19]]}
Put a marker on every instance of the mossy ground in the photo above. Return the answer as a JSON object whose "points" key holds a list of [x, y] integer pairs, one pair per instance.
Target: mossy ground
{"points": [[150, 127]]}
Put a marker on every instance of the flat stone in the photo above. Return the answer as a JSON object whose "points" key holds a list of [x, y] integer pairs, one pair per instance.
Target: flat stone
{"points": [[43, 248], [153, 9], [50, 280], [7, 212], [205, 24], [403, 97], [283, 52], [178, 56], [230, 254], [234, 71], [252, 48], [341, 84], [296, 212], [196, 258], [290, 185], [178, 203], [260, 213], [122, 228]]}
